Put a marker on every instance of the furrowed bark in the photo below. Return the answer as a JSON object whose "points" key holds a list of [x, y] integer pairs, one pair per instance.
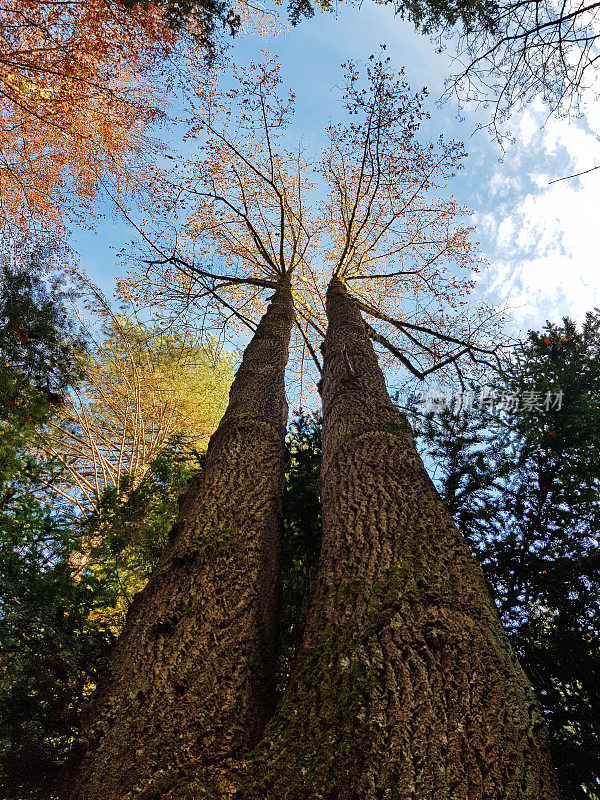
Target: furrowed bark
{"points": [[191, 682], [406, 685]]}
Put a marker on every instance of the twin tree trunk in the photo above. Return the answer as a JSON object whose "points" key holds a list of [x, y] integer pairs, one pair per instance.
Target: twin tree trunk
{"points": [[192, 680], [406, 687]]}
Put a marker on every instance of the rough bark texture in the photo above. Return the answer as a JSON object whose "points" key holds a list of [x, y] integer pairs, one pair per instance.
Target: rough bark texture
{"points": [[191, 682], [406, 685]]}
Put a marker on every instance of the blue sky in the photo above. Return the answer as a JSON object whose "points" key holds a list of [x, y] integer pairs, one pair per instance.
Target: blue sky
{"points": [[539, 239]]}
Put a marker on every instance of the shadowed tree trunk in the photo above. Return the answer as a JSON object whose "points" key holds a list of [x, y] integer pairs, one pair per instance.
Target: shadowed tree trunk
{"points": [[406, 686], [191, 682]]}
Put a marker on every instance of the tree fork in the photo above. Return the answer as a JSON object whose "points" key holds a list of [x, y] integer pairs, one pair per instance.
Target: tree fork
{"points": [[191, 681], [406, 686]]}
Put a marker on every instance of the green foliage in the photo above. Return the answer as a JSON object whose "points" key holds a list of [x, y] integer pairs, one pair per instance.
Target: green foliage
{"points": [[51, 647], [204, 19], [37, 347], [397, 424], [62, 604], [301, 533], [426, 15], [524, 488], [141, 387], [66, 581], [48, 648], [207, 18], [124, 537], [430, 15]]}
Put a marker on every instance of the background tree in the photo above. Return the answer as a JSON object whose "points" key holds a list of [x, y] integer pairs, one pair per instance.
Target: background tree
{"points": [[51, 643], [205, 19], [426, 15], [57, 628], [57, 625], [140, 386], [38, 353], [300, 535], [81, 83], [522, 482], [45, 656]]}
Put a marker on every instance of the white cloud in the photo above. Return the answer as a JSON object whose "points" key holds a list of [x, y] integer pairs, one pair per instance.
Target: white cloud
{"points": [[501, 184], [506, 232], [528, 127], [545, 245]]}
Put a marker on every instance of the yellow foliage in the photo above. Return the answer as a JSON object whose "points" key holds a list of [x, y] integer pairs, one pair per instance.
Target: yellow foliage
{"points": [[141, 387]]}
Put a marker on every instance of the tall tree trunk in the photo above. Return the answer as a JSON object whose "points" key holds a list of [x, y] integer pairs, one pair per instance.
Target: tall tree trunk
{"points": [[406, 686], [191, 682]]}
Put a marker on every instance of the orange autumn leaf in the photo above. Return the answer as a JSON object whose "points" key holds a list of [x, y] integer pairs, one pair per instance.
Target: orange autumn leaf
{"points": [[251, 205], [80, 83]]}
